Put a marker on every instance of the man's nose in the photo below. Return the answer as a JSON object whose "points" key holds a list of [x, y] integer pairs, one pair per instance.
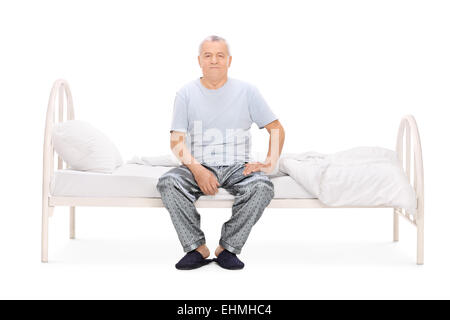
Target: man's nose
{"points": [[213, 60]]}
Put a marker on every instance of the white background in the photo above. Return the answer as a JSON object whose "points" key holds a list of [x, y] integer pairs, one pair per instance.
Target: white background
{"points": [[339, 74]]}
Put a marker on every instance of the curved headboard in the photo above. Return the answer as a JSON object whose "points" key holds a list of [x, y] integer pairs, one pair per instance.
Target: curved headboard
{"points": [[61, 93], [408, 125]]}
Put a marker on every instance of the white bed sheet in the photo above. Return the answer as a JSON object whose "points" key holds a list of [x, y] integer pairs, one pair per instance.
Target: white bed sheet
{"points": [[134, 180]]}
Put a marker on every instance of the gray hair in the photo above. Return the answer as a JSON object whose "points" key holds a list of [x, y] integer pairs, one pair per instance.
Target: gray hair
{"points": [[214, 38]]}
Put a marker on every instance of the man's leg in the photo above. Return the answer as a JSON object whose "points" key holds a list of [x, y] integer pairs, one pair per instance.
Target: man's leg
{"points": [[253, 194], [179, 191]]}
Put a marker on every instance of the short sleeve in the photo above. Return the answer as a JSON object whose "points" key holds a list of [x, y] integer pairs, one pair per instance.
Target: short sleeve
{"points": [[180, 115], [260, 111]]}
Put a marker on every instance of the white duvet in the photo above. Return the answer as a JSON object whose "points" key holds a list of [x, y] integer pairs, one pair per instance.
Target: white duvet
{"points": [[362, 176]]}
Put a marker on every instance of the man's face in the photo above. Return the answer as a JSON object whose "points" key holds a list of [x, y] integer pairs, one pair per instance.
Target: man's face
{"points": [[214, 59]]}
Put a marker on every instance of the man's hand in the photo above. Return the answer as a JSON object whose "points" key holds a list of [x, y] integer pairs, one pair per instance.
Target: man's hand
{"points": [[206, 180], [257, 166], [276, 141]]}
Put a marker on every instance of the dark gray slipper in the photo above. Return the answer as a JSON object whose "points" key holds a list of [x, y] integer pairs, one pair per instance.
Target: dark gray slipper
{"points": [[192, 260], [229, 260]]}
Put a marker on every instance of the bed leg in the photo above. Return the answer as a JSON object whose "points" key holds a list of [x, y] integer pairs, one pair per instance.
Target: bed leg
{"points": [[420, 241], [72, 222], [46, 212], [396, 231]]}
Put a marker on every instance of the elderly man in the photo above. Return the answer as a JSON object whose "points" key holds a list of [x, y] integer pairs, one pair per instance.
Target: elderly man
{"points": [[216, 113]]}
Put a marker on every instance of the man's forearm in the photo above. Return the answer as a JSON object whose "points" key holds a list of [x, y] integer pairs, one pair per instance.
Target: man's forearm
{"points": [[192, 164], [182, 153], [276, 142]]}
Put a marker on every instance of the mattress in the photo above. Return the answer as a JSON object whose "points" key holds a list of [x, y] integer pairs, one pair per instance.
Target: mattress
{"points": [[135, 180]]}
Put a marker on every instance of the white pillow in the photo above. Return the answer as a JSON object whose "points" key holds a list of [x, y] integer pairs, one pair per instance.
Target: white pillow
{"points": [[85, 148]]}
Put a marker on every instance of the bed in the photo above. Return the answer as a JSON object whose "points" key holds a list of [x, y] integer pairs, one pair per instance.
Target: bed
{"points": [[132, 185]]}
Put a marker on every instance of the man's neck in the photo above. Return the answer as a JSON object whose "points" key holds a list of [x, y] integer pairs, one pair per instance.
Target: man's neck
{"points": [[213, 83]]}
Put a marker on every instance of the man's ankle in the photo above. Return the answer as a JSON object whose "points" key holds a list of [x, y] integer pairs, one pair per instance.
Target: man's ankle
{"points": [[204, 251], [219, 250]]}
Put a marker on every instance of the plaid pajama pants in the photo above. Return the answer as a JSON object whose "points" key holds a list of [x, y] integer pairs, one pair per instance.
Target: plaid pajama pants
{"points": [[252, 194]]}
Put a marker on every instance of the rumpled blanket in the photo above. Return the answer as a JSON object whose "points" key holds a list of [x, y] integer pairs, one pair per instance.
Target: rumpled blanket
{"points": [[362, 176]]}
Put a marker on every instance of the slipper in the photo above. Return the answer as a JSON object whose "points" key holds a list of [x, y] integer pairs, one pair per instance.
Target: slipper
{"points": [[229, 260], [192, 260]]}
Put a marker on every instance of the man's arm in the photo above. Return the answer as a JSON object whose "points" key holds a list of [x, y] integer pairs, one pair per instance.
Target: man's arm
{"points": [[276, 142], [205, 179], [179, 149]]}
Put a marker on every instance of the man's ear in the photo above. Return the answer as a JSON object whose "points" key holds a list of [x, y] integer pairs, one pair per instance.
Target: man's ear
{"points": [[229, 60], [198, 58]]}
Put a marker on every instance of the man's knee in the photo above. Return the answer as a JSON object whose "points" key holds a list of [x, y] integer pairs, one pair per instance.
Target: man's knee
{"points": [[166, 183], [263, 189]]}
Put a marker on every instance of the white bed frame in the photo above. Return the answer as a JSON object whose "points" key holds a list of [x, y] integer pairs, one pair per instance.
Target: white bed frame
{"points": [[61, 93]]}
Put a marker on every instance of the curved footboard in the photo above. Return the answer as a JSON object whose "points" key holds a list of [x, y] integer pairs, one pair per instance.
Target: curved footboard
{"points": [[408, 133]]}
